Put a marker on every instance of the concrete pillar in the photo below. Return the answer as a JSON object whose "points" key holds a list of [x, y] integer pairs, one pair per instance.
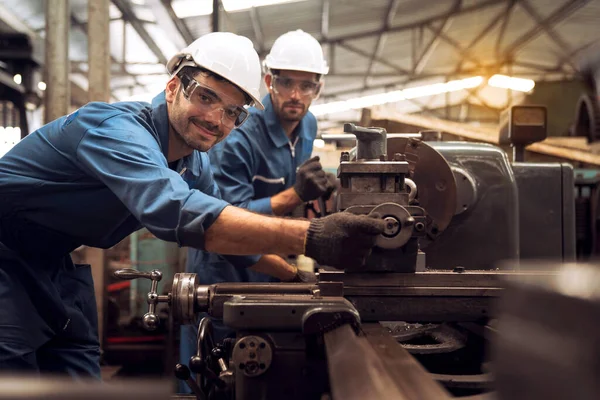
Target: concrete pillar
{"points": [[99, 50], [58, 92]]}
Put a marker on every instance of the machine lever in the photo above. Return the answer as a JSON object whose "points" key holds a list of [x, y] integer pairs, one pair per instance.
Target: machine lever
{"points": [[183, 373], [150, 319]]}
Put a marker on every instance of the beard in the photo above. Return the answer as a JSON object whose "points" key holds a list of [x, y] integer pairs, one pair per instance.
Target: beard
{"points": [[292, 111]]}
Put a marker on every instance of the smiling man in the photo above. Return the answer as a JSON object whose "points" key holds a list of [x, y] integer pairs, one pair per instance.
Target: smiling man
{"points": [[107, 170]]}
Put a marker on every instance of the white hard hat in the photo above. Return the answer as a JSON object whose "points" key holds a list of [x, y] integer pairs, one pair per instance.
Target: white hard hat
{"points": [[226, 54], [297, 51]]}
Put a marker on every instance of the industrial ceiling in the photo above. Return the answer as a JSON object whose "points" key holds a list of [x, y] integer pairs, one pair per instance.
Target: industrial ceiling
{"points": [[372, 46]]}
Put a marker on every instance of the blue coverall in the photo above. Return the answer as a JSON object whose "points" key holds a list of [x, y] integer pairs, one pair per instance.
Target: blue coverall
{"points": [[89, 178], [254, 163]]}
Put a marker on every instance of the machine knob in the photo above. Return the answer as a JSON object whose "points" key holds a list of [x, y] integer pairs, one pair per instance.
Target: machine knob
{"points": [[150, 321]]}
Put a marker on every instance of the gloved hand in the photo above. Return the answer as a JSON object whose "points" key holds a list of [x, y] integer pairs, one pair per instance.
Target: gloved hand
{"points": [[342, 240], [304, 276], [311, 181], [333, 184]]}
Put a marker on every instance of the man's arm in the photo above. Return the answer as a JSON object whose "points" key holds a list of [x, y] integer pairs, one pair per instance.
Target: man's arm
{"points": [[237, 231], [341, 240], [285, 202], [275, 266]]}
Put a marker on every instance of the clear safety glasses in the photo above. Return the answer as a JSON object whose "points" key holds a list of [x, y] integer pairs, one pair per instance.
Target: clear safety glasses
{"points": [[285, 86], [208, 99]]}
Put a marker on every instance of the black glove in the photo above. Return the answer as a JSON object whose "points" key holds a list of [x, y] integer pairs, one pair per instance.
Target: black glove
{"points": [[304, 277], [333, 184], [343, 240], [311, 181]]}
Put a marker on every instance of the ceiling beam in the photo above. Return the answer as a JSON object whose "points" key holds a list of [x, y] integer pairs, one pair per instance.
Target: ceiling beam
{"points": [[129, 16], [557, 16], [390, 14], [507, 12], [180, 26], [257, 29], [563, 47], [430, 47], [453, 12], [378, 59]]}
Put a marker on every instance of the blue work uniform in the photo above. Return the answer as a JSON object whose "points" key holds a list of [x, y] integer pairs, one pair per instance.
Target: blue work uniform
{"points": [[255, 162], [89, 178]]}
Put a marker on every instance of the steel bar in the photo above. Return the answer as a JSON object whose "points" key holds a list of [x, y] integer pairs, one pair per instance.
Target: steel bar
{"points": [[407, 373], [355, 370]]}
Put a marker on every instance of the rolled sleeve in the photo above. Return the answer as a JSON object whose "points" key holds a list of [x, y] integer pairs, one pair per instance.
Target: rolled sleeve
{"points": [[262, 206], [128, 160]]}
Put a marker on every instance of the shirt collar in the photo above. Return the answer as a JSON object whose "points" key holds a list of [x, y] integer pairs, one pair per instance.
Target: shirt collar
{"points": [[160, 117], [275, 131]]}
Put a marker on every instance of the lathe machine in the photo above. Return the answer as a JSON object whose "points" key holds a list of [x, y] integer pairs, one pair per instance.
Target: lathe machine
{"points": [[410, 323]]}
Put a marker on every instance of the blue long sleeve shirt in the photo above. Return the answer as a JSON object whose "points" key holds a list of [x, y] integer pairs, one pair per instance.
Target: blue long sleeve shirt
{"points": [[100, 173]]}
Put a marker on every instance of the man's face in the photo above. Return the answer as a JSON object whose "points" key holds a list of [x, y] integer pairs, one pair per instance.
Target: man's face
{"points": [[292, 92], [207, 116]]}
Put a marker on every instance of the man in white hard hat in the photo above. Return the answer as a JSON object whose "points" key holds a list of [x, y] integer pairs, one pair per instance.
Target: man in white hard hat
{"points": [[107, 170], [265, 165]]}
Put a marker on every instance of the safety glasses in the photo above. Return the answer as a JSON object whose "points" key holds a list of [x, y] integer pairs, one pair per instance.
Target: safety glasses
{"points": [[285, 86], [207, 99]]}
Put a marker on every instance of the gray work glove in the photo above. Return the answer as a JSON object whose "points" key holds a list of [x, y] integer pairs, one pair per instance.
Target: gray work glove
{"points": [[311, 181], [343, 240], [304, 277], [333, 184]]}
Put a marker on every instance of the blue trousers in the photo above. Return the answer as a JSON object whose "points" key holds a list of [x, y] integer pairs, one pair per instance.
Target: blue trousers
{"points": [[48, 318]]}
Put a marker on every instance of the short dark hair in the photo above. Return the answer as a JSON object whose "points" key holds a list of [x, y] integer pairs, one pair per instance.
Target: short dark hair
{"points": [[193, 71], [276, 72]]}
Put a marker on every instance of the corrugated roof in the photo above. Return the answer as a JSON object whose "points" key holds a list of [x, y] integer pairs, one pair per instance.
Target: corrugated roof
{"points": [[351, 33]]}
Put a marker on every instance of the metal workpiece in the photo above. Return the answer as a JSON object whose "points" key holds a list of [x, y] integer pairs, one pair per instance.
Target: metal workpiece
{"points": [[399, 223], [252, 355], [371, 143]]}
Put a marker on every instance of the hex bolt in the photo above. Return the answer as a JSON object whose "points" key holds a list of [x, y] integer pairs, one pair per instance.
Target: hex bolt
{"points": [[345, 156], [399, 157]]}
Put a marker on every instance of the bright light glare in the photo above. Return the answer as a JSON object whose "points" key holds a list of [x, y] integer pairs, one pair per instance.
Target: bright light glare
{"points": [[195, 8], [319, 143], [18, 79], [395, 96], [42, 86], [509, 82]]}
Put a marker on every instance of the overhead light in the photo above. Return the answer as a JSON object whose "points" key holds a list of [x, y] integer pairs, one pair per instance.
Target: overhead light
{"points": [[18, 79], [195, 8], [509, 82], [395, 96], [42, 85]]}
